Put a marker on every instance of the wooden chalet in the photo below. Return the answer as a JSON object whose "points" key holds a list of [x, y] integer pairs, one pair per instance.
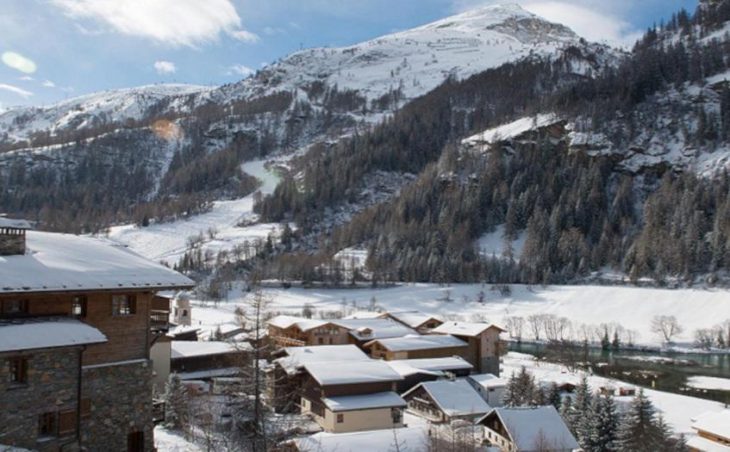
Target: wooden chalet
{"points": [[713, 432], [444, 401], [484, 345], [415, 346], [527, 429]]}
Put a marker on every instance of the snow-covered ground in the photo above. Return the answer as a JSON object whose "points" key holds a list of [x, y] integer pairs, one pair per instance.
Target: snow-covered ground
{"points": [[678, 410], [585, 306], [168, 241], [494, 244], [712, 383], [168, 441]]}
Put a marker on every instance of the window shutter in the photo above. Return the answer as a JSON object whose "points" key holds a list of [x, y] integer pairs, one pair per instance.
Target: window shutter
{"points": [[133, 304], [66, 422], [85, 407]]}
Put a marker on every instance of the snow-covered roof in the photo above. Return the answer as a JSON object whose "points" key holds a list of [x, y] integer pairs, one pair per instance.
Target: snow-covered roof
{"points": [[364, 401], [14, 224], [63, 262], [210, 373], [47, 332], [454, 397], [189, 349], [433, 366], [287, 321], [418, 342], [488, 380], [365, 315], [528, 426], [375, 440], [717, 423], [703, 444], [367, 329], [464, 328], [298, 356], [351, 372], [414, 319]]}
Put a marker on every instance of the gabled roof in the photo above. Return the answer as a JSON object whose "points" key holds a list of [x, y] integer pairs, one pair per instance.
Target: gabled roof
{"points": [[35, 333], [351, 372], [67, 263], [414, 319], [453, 397], [368, 329], [189, 349], [433, 366], [465, 328], [297, 357], [717, 423], [364, 401], [530, 426], [287, 321], [488, 380], [370, 440], [419, 342]]}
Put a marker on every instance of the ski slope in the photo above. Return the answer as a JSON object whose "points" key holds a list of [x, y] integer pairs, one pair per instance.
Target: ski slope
{"points": [[167, 242]]}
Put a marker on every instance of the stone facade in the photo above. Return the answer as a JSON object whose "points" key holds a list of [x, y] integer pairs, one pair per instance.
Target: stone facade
{"points": [[51, 387], [120, 396], [12, 242]]}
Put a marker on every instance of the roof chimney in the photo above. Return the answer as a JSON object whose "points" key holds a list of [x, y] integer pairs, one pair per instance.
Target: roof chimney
{"points": [[12, 236]]}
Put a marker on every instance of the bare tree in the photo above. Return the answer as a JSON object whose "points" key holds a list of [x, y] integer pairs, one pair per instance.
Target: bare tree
{"points": [[536, 324], [515, 325], [667, 326]]}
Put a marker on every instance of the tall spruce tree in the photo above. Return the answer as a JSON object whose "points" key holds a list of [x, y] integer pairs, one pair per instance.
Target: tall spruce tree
{"points": [[638, 431], [604, 425]]}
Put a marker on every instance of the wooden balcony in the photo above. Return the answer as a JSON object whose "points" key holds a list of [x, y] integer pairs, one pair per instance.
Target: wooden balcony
{"points": [[284, 341]]}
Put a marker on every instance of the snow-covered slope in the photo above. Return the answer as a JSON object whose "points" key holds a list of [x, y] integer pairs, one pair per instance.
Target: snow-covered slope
{"points": [[415, 60], [93, 110]]}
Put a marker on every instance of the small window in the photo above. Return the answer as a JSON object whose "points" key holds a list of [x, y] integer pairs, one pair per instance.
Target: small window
{"points": [[320, 340], [123, 305], [13, 308], [135, 442], [340, 418], [47, 425], [18, 370], [78, 308]]}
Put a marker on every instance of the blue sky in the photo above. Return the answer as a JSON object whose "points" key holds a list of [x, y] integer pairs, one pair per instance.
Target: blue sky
{"points": [[54, 49]]}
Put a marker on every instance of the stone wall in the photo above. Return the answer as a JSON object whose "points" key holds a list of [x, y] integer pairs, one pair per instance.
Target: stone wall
{"points": [[51, 387], [120, 397], [12, 244]]}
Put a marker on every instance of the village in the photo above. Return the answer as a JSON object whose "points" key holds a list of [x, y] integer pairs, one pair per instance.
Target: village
{"points": [[95, 353]]}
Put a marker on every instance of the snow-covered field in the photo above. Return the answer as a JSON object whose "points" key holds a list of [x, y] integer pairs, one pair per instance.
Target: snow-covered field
{"points": [[678, 410], [168, 241], [712, 383]]}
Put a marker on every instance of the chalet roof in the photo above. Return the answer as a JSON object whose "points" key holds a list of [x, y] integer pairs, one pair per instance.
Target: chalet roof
{"points": [[287, 321], [416, 437], [414, 319], [210, 373], [368, 329], [298, 356], [488, 380], [528, 426], [419, 342], [717, 423], [64, 262], [465, 328], [351, 372], [14, 224], [189, 349], [47, 332], [453, 397], [434, 366], [704, 444], [364, 401]]}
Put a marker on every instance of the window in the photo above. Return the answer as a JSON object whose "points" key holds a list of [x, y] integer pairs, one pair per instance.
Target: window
{"points": [[123, 305], [79, 306], [340, 418], [13, 308], [18, 370], [47, 425], [320, 340], [135, 442]]}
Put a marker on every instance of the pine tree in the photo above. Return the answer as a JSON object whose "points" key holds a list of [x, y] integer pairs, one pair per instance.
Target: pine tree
{"points": [[604, 425], [176, 403], [583, 412], [637, 430], [553, 396]]}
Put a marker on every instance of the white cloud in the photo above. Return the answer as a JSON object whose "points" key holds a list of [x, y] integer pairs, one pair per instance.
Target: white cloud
{"points": [[240, 69], [245, 36], [165, 67], [26, 78], [19, 62], [48, 84], [595, 20], [15, 90], [172, 22]]}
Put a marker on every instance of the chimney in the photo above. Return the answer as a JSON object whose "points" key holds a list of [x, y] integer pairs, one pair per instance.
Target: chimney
{"points": [[12, 236]]}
